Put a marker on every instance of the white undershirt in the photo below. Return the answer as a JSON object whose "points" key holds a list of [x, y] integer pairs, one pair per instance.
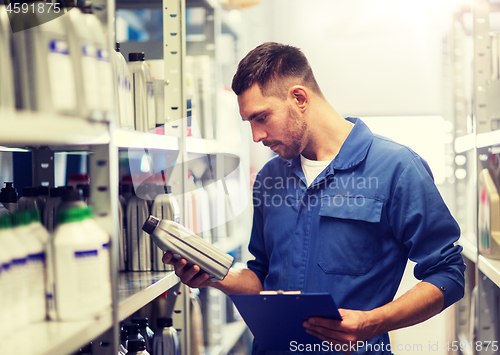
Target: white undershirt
{"points": [[312, 168]]}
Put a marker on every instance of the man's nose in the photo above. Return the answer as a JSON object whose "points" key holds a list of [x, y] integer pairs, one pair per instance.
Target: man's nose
{"points": [[258, 134]]}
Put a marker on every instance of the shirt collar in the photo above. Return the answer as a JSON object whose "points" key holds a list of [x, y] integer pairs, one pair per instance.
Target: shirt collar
{"points": [[352, 152]]}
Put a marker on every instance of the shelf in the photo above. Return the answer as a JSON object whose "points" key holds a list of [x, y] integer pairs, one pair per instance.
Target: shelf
{"points": [[470, 250], [488, 139], [465, 143], [124, 138], [26, 128], [491, 268], [136, 289], [231, 333], [209, 146], [56, 338]]}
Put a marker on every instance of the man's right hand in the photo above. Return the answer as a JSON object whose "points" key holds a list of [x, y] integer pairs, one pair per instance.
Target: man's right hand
{"points": [[190, 275]]}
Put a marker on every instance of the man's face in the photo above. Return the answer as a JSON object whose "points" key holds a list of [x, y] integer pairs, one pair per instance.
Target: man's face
{"points": [[274, 122]]}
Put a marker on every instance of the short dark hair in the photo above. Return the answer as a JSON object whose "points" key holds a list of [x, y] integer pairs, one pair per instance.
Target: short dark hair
{"points": [[269, 65]]}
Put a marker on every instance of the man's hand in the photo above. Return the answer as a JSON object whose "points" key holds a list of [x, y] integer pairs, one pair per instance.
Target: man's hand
{"points": [[353, 327], [189, 275]]}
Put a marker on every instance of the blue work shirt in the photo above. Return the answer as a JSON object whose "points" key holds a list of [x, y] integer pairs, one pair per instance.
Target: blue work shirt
{"points": [[352, 231]]}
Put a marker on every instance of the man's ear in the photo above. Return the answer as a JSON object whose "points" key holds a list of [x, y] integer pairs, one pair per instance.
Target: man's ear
{"points": [[300, 96]]}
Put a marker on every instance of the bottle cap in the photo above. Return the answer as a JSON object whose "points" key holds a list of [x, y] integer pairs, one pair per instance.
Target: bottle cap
{"points": [[70, 195], [135, 345], [163, 322], [5, 221], [69, 215], [55, 192], [30, 191], [131, 328], [43, 190], [150, 224], [8, 194], [136, 57], [21, 218]]}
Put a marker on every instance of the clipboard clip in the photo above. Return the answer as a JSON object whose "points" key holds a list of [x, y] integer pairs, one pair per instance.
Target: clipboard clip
{"points": [[280, 292]]}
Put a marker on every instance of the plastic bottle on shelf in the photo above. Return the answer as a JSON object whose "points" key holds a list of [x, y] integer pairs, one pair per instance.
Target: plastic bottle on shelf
{"points": [[104, 69], [94, 229], [43, 195], [126, 106], [81, 41], [137, 347], [71, 198], [75, 262], [38, 228], [142, 93], [78, 179], [29, 200], [133, 332], [122, 348], [49, 216], [164, 207], [43, 62], [18, 271], [35, 267], [146, 332], [85, 191], [166, 340], [7, 99], [138, 241], [8, 197]]}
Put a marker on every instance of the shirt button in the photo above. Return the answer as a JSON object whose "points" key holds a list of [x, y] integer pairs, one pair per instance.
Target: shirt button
{"points": [[443, 288], [327, 171]]}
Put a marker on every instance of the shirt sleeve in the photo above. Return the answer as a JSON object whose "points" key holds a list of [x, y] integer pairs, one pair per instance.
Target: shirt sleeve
{"points": [[257, 247], [421, 221]]}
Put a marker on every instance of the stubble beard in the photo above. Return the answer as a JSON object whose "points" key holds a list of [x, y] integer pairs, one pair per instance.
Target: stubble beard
{"points": [[295, 135]]}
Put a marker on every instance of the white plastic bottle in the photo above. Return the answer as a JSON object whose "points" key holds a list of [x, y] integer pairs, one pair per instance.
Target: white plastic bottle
{"points": [[7, 101], [49, 216], [8, 197], [142, 93], [29, 200], [35, 267], [82, 43], [126, 105], [104, 69], [94, 229], [45, 72], [18, 271], [164, 207], [75, 263]]}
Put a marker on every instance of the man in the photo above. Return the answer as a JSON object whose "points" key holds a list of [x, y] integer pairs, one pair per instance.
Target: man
{"points": [[340, 210]]}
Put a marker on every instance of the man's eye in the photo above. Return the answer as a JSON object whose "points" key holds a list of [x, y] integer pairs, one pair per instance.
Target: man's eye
{"points": [[261, 119]]}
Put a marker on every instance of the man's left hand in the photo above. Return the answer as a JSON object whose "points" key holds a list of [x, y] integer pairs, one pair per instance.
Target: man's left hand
{"points": [[353, 327]]}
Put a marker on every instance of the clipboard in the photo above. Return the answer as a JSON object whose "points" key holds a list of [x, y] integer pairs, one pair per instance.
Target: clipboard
{"points": [[276, 319]]}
